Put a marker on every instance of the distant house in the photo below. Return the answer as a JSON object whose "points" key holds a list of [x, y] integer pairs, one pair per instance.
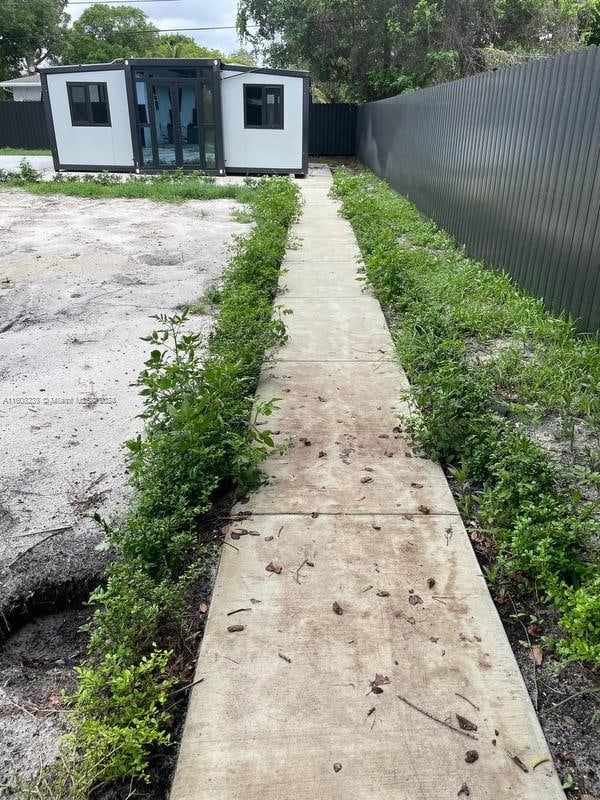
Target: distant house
{"points": [[27, 88], [147, 115]]}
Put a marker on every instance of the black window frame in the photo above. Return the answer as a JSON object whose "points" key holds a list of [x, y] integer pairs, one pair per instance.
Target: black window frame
{"points": [[264, 87], [86, 86]]}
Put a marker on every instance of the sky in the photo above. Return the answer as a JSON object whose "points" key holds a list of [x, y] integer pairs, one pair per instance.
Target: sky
{"points": [[187, 14]]}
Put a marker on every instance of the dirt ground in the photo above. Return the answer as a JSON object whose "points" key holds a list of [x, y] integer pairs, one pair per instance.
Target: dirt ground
{"points": [[79, 280]]}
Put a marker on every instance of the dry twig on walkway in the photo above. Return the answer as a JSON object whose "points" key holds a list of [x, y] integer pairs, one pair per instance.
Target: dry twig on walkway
{"points": [[436, 719]]}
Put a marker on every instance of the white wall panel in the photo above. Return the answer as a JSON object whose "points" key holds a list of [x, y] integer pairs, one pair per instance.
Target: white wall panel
{"points": [[101, 146]]}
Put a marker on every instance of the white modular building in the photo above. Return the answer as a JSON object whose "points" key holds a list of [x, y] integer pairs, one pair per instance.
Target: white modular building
{"points": [[147, 115]]}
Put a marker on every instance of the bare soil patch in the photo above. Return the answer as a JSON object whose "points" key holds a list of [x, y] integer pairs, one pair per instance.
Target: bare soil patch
{"points": [[79, 281]]}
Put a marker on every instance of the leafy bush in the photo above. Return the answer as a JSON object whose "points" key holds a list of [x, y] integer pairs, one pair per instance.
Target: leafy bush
{"points": [[200, 432], [442, 307]]}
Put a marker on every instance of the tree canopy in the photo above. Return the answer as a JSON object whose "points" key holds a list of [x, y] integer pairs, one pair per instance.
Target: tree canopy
{"points": [[360, 50], [31, 31], [104, 33]]}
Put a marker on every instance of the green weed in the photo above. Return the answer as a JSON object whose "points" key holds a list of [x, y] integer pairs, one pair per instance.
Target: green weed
{"points": [[483, 358], [200, 433]]}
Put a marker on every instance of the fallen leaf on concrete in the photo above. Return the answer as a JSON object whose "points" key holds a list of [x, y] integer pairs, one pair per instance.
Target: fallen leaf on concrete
{"points": [[377, 690], [337, 608], [415, 600], [322, 453], [465, 724], [235, 628], [471, 756], [383, 593], [537, 655], [276, 568], [516, 760], [417, 485], [285, 658], [306, 442], [535, 762], [366, 479], [322, 399], [366, 589], [203, 608], [464, 791], [360, 499], [380, 680], [376, 527], [407, 454], [268, 538], [238, 533], [434, 639], [388, 453], [371, 711], [430, 583], [396, 429], [309, 563], [337, 766], [424, 509], [383, 436]]}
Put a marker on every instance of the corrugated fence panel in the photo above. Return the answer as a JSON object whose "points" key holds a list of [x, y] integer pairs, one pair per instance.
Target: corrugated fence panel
{"points": [[23, 124], [509, 163], [332, 129]]}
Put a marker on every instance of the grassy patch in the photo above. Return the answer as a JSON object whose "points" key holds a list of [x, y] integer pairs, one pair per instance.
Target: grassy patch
{"points": [[488, 365], [22, 151], [200, 435], [170, 187]]}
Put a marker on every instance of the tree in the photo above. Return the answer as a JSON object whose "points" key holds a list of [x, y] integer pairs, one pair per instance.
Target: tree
{"points": [[361, 50], [241, 56], [176, 45], [31, 31], [104, 33]]}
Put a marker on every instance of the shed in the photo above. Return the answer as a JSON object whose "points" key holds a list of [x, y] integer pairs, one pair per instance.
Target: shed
{"points": [[27, 88], [148, 115]]}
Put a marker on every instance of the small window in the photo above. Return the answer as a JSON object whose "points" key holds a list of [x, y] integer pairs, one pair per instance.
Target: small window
{"points": [[89, 104], [263, 106]]}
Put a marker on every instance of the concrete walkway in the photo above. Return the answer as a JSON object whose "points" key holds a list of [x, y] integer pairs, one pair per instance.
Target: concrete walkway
{"points": [[379, 597]]}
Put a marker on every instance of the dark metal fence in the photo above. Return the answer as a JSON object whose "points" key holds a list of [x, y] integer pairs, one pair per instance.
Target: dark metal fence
{"points": [[23, 124], [509, 163], [332, 129]]}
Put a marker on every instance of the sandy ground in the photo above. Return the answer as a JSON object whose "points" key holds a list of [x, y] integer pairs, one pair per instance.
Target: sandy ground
{"points": [[79, 280]]}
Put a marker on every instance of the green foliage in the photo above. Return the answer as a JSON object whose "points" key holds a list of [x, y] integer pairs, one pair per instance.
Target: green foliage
{"points": [[474, 414], [118, 714], [30, 32], [177, 45], [104, 33], [171, 187], [361, 50], [200, 433]]}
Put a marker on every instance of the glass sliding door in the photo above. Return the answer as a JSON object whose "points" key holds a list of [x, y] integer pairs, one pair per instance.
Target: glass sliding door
{"points": [[164, 124], [188, 125], [176, 124]]}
